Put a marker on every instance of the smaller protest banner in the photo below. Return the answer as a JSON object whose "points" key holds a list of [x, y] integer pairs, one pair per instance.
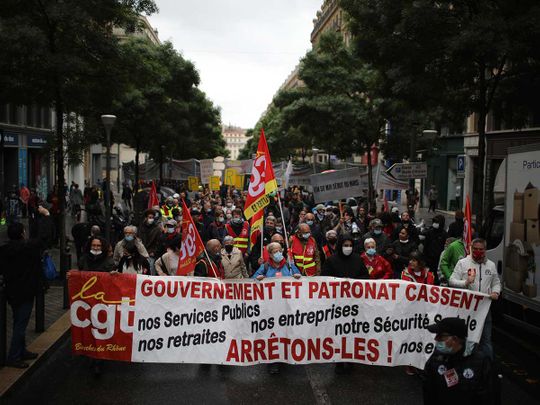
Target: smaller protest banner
{"points": [[214, 183], [207, 170], [230, 177], [339, 184], [193, 183], [239, 181]]}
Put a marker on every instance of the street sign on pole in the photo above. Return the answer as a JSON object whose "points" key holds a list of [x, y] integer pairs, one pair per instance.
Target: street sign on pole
{"points": [[460, 166], [407, 171]]}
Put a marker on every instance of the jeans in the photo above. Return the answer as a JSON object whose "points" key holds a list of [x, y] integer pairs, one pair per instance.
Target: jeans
{"points": [[485, 345], [21, 317]]}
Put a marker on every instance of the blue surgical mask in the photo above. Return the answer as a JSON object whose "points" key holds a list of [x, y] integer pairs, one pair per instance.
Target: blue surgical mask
{"points": [[442, 348], [310, 223], [278, 257], [377, 231], [371, 251], [306, 235], [129, 238]]}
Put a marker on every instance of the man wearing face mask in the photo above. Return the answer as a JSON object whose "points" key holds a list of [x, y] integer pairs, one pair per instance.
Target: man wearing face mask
{"points": [[477, 273], [268, 232], [330, 219], [213, 267], [315, 229], [304, 251], [232, 258], [216, 230], [150, 234], [238, 229], [171, 230], [376, 233], [166, 209], [456, 373], [130, 238]]}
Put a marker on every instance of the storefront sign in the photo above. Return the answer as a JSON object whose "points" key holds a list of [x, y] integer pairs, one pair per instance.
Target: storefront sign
{"points": [[36, 141], [10, 139]]}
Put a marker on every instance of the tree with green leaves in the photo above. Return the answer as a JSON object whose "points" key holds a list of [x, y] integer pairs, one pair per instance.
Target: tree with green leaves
{"points": [[458, 56], [57, 54]]}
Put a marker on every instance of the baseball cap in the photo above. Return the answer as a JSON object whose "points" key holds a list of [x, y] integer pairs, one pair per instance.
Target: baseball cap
{"points": [[452, 326], [395, 209], [376, 223]]}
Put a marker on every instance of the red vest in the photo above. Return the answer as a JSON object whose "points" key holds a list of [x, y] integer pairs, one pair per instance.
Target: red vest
{"points": [[304, 255], [240, 241], [327, 252]]}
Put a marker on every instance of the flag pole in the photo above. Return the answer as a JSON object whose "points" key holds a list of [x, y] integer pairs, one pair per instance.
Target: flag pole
{"points": [[284, 225]]}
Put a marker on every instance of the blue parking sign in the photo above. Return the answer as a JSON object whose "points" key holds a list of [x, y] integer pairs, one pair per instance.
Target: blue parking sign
{"points": [[460, 165]]}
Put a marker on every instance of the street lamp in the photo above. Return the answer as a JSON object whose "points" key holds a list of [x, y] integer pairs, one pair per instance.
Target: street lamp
{"points": [[315, 151], [108, 123]]}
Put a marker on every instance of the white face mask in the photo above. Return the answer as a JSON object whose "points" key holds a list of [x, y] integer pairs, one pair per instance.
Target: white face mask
{"points": [[347, 250], [170, 230], [95, 252], [435, 225], [404, 241], [150, 221]]}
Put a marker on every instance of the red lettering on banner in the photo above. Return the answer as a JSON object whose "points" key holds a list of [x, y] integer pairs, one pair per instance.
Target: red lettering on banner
{"points": [[445, 296]]}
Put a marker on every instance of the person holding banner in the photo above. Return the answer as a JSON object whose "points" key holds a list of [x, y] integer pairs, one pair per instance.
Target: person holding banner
{"points": [[377, 266], [234, 266], [210, 265], [97, 256], [477, 273]]}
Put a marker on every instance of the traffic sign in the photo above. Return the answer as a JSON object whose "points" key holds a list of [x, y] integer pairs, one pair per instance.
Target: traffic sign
{"points": [[407, 171], [460, 164]]}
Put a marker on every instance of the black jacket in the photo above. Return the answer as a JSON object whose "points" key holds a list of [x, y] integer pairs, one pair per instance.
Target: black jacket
{"points": [[341, 266], [475, 379], [20, 264], [455, 230], [102, 262], [433, 246]]}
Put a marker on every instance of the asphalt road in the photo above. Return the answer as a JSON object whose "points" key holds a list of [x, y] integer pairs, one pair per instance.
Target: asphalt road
{"points": [[64, 379]]}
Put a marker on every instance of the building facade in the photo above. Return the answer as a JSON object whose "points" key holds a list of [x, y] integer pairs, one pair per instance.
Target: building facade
{"points": [[235, 140], [24, 155]]}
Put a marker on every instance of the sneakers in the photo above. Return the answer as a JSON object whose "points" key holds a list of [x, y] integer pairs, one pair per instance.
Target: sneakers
{"points": [[17, 364], [29, 356]]}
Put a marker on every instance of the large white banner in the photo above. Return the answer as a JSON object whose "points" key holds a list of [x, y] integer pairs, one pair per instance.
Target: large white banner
{"points": [[339, 184], [315, 320]]}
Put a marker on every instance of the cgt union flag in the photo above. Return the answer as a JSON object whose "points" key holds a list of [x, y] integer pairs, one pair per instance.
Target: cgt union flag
{"points": [[192, 245], [262, 181]]}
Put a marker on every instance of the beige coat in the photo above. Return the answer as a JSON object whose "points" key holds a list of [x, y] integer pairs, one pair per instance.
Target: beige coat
{"points": [[167, 264], [234, 267]]}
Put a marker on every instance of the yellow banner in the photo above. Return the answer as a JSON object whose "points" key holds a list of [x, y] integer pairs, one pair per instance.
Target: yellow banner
{"points": [[193, 183], [230, 177], [214, 183], [239, 181]]}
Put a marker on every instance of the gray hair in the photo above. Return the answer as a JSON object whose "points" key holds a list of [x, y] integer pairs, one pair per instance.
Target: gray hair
{"points": [[130, 228], [369, 240], [273, 246], [228, 238]]}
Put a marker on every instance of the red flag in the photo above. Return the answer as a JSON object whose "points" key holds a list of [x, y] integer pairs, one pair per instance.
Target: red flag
{"points": [[467, 232], [262, 181], [192, 245], [256, 223], [153, 199]]}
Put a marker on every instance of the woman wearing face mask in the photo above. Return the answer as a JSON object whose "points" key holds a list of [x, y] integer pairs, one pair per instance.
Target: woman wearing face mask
{"points": [[133, 262], [97, 256], [402, 249], [377, 266], [217, 230], [232, 259]]}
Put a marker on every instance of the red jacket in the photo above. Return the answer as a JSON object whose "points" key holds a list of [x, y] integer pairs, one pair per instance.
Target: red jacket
{"points": [[378, 267], [425, 277]]}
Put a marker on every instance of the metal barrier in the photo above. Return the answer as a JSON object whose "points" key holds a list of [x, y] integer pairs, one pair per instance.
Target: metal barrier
{"points": [[3, 322]]}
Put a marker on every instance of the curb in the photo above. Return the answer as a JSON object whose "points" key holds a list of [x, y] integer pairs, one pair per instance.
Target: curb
{"points": [[44, 344]]}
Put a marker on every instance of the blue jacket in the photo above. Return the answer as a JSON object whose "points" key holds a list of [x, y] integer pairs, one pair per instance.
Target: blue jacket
{"points": [[268, 270]]}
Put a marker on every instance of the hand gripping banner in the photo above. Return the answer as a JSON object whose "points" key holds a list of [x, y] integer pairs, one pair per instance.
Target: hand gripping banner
{"points": [[262, 181], [311, 320]]}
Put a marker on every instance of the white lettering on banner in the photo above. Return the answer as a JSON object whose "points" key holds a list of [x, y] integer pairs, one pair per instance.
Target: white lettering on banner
{"points": [[188, 246], [256, 187], [245, 322]]}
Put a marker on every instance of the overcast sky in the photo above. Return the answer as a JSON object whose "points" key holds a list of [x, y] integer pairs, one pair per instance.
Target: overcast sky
{"points": [[244, 50]]}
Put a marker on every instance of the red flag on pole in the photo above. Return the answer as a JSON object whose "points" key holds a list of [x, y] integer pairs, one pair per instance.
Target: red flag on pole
{"points": [[153, 199], [262, 181], [192, 245], [467, 232]]}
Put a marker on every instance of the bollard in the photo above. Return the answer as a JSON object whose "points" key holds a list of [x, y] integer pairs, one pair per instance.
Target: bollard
{"points": [[3, 322], [40, 310], [63, 275]]}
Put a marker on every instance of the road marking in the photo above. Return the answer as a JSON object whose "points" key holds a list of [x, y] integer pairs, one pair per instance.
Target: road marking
{"points": [[317, 386]]}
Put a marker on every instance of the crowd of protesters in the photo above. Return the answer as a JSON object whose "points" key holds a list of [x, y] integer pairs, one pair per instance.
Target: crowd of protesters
{"points": [[299, 238]]}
